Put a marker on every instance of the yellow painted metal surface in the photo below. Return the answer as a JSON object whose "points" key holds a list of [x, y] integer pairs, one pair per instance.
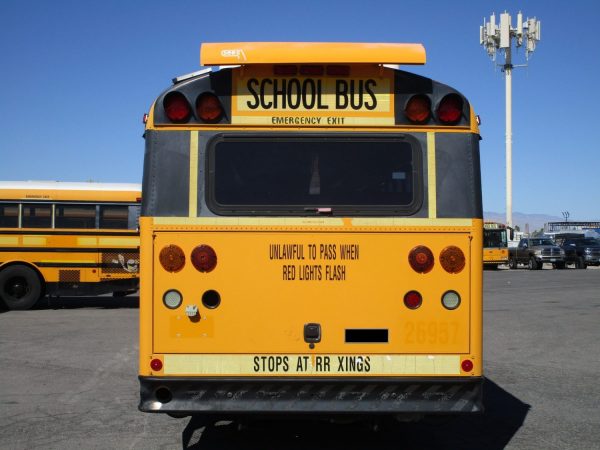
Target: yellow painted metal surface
{"points": [[51, 253], [495, 256], [272, 283], [216, 54]]}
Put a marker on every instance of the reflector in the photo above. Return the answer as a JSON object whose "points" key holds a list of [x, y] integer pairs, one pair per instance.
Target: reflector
{"points": [[156, 365], [467, 365]]}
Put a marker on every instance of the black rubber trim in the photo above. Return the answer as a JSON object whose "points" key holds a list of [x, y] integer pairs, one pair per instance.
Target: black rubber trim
{"points": [[347, 395]]}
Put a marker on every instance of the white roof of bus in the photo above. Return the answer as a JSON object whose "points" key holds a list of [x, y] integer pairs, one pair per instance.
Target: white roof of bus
{"points": [[70, 186]]}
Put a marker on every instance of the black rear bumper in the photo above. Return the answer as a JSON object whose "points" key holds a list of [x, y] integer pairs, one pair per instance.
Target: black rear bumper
{"points": [[232, 396]]}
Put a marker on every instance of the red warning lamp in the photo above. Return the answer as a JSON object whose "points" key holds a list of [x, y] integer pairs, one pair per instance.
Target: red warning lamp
{"points": [[450, 109], [204, 258], [421, 259], [177, 107], [418, 109], [209, 108]]}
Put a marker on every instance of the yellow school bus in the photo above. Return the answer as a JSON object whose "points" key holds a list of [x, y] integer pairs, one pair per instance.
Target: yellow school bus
{"points": [[495, 244], [65, 238], [311, 237]]}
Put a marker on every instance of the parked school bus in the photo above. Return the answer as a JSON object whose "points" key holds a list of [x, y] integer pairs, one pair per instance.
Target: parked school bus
{"points": [[495, 244], [311, 237], [63, 238]]}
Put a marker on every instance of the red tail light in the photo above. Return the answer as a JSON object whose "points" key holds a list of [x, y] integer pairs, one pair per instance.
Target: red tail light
{"points": [[421, 259], [452, 259], [209, 108], [413, 299], [177, 108], [450, 109], [204, 258], [172, 258], [418, 109]]}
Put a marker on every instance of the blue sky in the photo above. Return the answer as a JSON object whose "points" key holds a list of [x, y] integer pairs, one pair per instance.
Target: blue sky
{"points": [[77, 76]]}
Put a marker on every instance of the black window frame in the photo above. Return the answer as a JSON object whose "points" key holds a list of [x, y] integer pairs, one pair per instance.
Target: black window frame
{"points": [[418, 171]]}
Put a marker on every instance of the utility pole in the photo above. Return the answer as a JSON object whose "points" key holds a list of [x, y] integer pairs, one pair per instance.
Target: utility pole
{"points": [[494, 38]]}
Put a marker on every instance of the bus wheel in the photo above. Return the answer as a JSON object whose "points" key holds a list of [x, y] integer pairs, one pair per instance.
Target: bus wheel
{"points": [[20, 287]]}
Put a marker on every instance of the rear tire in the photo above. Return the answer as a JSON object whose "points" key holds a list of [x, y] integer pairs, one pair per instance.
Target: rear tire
{"points": [[20, 287], [512, 263], [580, 264], [532, 264]]}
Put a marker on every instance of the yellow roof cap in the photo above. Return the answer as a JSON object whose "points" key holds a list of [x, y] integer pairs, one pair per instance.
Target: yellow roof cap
{"points": [[233, 53]]}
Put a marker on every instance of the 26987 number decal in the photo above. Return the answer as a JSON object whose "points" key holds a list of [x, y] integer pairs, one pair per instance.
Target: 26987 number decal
{"points": [[430, 332]]}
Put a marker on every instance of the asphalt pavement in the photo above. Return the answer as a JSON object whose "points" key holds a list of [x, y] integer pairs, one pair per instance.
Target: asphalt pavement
{"points": [[68, 380]]}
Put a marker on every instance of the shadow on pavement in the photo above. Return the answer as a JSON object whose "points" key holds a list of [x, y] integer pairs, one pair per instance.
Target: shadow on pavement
{"points": [[107, 302], [493, 429]]}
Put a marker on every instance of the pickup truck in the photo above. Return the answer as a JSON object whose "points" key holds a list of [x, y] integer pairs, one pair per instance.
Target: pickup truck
{"points": [[535, 252], [582, 251]]}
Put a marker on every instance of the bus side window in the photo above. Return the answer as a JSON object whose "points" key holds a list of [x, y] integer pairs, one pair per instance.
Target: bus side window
{"points": [[75, 216], [114, 216], [9, 215], [37, 216]]}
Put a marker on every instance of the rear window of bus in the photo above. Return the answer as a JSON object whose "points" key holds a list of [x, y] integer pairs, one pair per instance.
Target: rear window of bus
{"points": [[296, 175]]}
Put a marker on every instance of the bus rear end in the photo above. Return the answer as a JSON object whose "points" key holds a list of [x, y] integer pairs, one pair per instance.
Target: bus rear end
{"points": [[311, 246]]}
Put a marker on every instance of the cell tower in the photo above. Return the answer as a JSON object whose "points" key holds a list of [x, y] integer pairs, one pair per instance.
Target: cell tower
{"points": [[500, 37]]}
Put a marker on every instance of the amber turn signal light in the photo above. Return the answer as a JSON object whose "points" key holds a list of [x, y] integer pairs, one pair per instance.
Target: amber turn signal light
{"points": [[452, 259], [172, 258], [209, 108]]}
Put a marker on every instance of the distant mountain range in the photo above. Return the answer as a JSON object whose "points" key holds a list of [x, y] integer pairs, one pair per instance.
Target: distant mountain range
{"points": [[534, 221]]}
